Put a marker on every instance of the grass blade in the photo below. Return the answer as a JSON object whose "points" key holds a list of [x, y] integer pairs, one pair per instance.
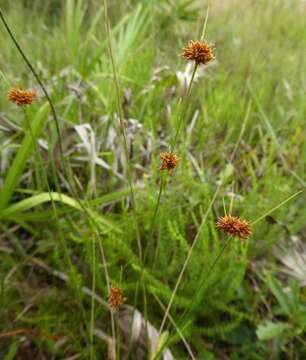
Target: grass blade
{"points": [[22, 156]]}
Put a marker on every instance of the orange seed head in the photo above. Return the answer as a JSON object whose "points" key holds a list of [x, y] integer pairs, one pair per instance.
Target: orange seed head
{"points": [[116, 298], [198, 51], [21, 97], [169, 161], [235, 226]]}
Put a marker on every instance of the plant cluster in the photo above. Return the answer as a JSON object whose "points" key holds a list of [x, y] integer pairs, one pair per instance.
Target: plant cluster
{"points": [[138, 257]]}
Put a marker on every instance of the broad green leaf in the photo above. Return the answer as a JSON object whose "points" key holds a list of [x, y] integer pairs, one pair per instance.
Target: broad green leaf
{"points": [[19, 162], [280, 295], [36, 200], [14, 210], [270, 330], [20, 209], [160, 346], [12, 350]]}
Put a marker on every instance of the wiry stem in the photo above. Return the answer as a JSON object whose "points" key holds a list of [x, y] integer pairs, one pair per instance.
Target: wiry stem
{"points": [[154, 218], [93, 289], [184, 111], [276, 207], [123, 132], [187, 346], [205, 279], [179, 279], [113, 329]]}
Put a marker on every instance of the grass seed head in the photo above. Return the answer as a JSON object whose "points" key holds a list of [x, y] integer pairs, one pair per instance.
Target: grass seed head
{"points": [[169, 161], [21, 97], [198, 51], [116, 298], [235, 226]]}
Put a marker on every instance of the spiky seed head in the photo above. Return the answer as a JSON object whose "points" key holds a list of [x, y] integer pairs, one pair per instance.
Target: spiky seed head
{"points": [[21, 97], [116, 298], [198, 51], [169, 161], [235, 226]]}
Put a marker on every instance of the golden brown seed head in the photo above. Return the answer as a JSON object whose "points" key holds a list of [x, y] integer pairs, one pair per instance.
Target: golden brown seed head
{"points": [[235, 226], [21, 97], [116, 298], [199, 51], [169, 161]]}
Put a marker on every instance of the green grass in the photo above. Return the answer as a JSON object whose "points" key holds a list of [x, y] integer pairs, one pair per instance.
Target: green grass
{"points": [[68, 228]]}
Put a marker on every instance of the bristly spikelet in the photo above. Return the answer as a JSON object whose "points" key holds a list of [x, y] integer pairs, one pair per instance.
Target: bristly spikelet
{"points": [[198, 51], [235, 226], [169, 161], [21, 97], [116, 298]]}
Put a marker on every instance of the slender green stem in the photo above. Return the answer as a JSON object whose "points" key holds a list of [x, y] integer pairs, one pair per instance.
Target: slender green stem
{"points": [[93, 289], [37, 160], [192, 302], [154, 217], [102, 252], [149, 243], [123, 132], [205, 24], [186, 262], [184, 107], [276, 207]]}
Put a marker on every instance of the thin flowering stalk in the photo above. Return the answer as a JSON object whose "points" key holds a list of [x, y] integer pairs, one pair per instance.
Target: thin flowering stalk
{"points": [[123, 131], [154, 218], [205, 23], [38, 160], [191, 305], [181, 335], [93, 289], [178, 282], [102, 252], [276, 207], [188, 91], [183, 113], [126, 153]]}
